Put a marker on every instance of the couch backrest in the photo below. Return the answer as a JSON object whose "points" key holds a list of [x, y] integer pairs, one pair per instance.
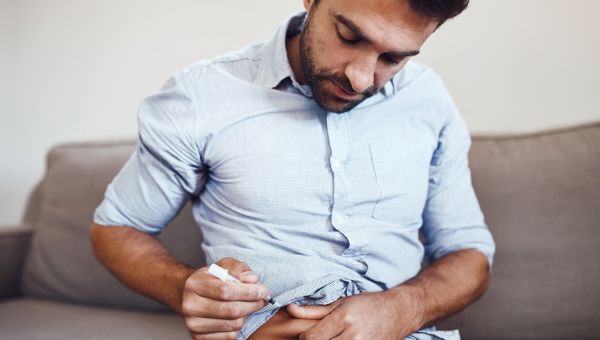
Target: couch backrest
{"points": [[541, 197], [60, 264], [540, 193]]}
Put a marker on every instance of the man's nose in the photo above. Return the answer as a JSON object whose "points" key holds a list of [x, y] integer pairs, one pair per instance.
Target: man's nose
{"points": [[361, 74]]}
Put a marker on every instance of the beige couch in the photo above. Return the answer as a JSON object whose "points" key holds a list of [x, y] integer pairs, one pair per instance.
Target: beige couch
{"points": [[540, 193]]}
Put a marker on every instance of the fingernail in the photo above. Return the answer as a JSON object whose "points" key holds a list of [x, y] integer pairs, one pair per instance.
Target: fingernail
{"points": [[263, 293], [249, 275]]}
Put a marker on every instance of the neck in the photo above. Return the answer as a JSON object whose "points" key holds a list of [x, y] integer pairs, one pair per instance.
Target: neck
{"points": [[293, 53]]}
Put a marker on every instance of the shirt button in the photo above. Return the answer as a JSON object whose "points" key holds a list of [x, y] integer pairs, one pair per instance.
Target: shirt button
{"points": [[336, 163], [337, 216]]}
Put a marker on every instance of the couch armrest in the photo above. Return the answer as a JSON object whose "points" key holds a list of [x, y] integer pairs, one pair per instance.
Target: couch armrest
{"points": [[14, 244]]}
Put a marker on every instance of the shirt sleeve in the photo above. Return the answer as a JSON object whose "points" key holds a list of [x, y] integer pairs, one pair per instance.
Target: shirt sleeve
{"points": [[452, 217], [165, 170]]}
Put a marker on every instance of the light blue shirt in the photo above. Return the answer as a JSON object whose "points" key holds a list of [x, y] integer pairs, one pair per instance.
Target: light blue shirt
{"points": [[321, 205]]}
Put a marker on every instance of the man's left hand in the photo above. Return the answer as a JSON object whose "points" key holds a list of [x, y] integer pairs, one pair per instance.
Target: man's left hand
{"points": [[383, 315]]}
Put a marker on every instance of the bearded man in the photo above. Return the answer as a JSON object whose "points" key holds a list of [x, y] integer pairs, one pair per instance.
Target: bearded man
{"points": [[323, 166]]}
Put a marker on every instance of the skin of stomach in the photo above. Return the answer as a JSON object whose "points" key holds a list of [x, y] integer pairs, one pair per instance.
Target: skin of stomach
{"points": [[282, 326]]}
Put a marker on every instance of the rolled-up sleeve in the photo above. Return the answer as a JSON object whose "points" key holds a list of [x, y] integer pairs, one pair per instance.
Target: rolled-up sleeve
{"points": [[452, 217], [165, 170]]}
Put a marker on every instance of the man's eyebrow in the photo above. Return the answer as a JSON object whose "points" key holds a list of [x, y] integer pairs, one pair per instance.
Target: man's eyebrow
{"points": [[358, 32], [351, 26]]}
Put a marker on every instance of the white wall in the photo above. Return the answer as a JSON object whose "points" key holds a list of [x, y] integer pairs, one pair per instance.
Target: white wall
{"points": [[80, 68], [521, 65], [6, 35], [12, 186]]}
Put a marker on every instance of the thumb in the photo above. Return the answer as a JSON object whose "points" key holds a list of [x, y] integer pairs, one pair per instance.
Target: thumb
{"points": [[238, 269], [313, 312]]}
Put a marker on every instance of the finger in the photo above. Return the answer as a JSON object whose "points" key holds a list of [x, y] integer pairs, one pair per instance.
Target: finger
{"points": [[313, 312], [209, 286], [346, 336], [331, 326], [206, 325], [248, 277], [229, 310], [233, 266], [238, 269], [215, 336]]}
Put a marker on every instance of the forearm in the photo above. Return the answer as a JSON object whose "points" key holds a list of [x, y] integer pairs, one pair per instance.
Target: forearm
{"points": [[141, 262], [446, 287]]}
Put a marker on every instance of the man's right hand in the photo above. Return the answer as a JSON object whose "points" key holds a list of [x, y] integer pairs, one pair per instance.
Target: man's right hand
{"points": [[216, 309]]}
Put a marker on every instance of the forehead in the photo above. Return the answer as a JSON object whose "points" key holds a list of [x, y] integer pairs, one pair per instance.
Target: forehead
{"points": [[390, 21]]}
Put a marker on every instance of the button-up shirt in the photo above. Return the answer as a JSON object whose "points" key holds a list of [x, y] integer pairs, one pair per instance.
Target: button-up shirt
{"points": [[320, 205]]}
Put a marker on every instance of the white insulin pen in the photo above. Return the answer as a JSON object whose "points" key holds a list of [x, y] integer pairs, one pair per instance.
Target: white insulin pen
{"points": [[223, 274]]}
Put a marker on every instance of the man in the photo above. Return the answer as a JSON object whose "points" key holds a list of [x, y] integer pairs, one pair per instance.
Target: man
{"points": [[313, 162]]}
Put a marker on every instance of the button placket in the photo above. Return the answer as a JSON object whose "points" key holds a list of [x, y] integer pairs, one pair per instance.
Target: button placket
{"points": [[337, 131], [338, 138]]}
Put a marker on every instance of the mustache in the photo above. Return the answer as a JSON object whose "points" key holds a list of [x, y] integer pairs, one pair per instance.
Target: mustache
{"points": [[345, 83]]}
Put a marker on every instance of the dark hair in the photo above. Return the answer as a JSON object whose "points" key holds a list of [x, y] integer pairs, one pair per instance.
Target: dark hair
{"points": [[440, 10]]}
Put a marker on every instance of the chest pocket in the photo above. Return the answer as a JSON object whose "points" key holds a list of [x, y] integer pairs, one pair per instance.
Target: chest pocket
{"points": [[402, 177]]}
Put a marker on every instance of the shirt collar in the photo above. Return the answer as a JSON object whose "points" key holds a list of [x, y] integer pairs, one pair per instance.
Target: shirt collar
{"points": [[389, 88], [275, 66]]}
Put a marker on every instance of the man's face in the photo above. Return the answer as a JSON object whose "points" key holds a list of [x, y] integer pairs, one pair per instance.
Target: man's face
{"points": [[349, 49]]}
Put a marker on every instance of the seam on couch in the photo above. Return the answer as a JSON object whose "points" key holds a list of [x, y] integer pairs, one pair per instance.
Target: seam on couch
{"points": [[534, 134], [16, 232], [90, 144], [475, 136]]}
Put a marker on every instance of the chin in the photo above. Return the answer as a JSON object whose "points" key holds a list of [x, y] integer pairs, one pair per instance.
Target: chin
{"points": [[335, 105]]}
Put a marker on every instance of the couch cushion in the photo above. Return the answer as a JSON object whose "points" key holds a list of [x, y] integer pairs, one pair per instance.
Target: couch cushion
{"points": [[32, 319], [14, 244], [61, 264], [541, 197]]}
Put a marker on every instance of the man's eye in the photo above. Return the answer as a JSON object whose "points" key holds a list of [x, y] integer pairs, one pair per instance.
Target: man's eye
{"points": [[391, 60], [347, 41]]}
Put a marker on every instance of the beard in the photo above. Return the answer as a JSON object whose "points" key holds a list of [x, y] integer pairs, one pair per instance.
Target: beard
{"points": [[318, 78]]}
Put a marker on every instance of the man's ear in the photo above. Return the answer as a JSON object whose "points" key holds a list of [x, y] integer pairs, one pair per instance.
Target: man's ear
{"points": [[307, 4]]}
